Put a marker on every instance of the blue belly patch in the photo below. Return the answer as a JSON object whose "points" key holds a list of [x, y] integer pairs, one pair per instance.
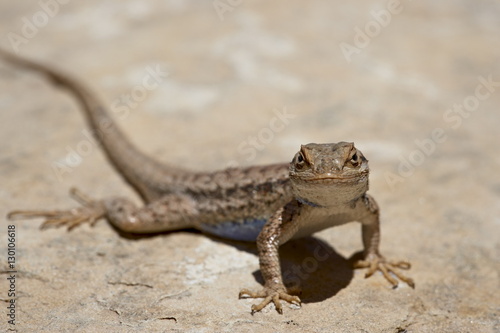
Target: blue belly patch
{"points": [[245, 230]]}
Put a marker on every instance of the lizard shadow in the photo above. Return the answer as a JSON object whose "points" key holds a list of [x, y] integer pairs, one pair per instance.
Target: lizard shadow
{"points": [[308, 264]]}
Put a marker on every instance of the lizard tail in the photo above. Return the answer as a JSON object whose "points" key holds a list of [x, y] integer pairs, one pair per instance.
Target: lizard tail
{"points": [[141, 171]]}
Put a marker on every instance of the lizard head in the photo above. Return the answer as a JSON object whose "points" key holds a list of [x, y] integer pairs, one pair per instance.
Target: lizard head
{"points": [[326, 174]]}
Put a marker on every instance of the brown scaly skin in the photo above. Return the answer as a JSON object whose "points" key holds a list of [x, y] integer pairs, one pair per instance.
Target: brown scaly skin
{"points": [[325, 185], [329, 182]]}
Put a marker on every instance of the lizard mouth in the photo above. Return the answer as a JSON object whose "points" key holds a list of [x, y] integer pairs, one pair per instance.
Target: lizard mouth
{"points": [[330, 177]]}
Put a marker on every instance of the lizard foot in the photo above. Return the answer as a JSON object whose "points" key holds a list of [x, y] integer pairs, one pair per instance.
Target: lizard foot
{"points": [[378, 263], [270, 294], [90, 212]]}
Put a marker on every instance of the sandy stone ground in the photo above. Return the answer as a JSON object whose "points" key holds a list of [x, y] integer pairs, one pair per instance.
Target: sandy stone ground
{"points": [[207, 84]]}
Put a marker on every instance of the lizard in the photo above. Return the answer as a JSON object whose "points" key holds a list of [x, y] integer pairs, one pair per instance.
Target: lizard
{"points": [[324, 185]]}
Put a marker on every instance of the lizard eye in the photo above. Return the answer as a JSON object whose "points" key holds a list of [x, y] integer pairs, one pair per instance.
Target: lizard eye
{"points": [[299, 161], [355, 159]]}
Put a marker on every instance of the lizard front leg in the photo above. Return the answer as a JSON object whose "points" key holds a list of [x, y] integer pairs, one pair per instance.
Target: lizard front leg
{"points": [[373, 260], [278, 229], [170, 212]]}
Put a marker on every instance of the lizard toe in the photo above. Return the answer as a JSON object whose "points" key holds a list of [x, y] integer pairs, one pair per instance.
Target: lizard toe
{"points": [[270, 294], [90, 212], [389, 269]]}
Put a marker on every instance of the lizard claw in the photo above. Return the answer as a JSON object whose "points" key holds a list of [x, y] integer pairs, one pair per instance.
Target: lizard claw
{"points": [[270, 294], [378, 263], [90, 212]]}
